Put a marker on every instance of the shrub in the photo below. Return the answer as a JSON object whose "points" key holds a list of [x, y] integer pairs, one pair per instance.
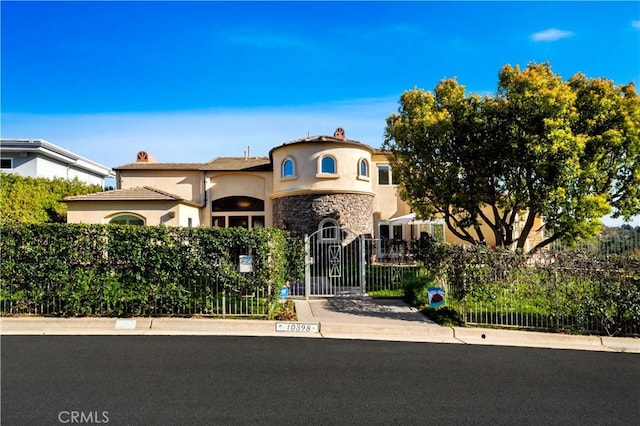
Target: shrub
{"points": [[444, 316], [416, 289], [285, 311]]}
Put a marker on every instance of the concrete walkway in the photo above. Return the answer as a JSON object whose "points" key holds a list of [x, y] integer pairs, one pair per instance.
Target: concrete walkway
{"points": [[336, 318]]}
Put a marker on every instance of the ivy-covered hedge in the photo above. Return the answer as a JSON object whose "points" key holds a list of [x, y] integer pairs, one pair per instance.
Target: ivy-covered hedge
{"points": [[69, 269]]}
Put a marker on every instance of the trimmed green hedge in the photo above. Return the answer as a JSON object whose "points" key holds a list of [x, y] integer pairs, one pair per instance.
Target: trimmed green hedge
{"points": [[69, 269]]}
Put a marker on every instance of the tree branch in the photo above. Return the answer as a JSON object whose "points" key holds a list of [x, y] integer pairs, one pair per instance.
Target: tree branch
{"points": [[466, 236], [522, 238], [545, 243], [495, 227]]}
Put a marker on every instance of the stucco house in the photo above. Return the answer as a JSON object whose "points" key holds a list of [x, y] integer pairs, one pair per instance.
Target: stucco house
{"points": [[303, 186], [41, 158]]}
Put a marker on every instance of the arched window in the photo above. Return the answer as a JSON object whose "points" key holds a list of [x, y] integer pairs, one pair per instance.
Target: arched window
{"points": [[238, 211], [127, 219], [363, 168], [237, 204], [328, 164], [330, 228], [288, 168]]}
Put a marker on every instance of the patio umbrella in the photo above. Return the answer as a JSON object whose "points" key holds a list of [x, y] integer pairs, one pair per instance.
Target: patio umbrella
{"points": [[409, 219]]}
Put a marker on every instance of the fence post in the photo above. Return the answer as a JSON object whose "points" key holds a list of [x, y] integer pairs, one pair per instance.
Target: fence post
{"points": [[224, 302], [307, 267], [464, 295], [555, 290], [363, 281]]}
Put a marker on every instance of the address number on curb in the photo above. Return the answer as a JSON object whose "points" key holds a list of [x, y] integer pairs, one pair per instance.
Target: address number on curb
{"points": [[301, 327]]}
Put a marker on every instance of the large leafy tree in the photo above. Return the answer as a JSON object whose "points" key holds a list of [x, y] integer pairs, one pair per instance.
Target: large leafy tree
{"points": [[26, 199], [540, 147]]}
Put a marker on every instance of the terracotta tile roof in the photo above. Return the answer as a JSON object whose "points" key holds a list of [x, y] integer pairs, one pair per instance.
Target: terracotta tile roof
{"points": [[238, 164], [220, 163], [160, 166], [145, 193], [320, 139]]}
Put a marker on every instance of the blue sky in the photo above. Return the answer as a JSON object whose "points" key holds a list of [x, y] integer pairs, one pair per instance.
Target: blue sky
{"points": [[189, 81]]}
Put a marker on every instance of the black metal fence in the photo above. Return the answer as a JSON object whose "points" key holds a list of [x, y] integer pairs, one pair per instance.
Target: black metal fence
{"points": [[199, 296], [566, 291]]}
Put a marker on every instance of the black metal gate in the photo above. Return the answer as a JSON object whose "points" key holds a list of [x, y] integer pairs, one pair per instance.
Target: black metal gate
{"points": [[335, 263]]}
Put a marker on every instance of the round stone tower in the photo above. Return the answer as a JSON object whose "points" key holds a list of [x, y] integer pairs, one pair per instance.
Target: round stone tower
{"points": [[322, 181]]}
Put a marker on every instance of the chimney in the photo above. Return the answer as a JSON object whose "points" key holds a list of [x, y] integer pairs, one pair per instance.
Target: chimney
{"points": [[339, 133], [145, 157]]}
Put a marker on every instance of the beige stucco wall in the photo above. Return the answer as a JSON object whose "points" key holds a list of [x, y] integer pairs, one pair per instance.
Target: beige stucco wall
{"points": [[155, 213], [187, 184], [228, 184], [185, 213], [387, 203], [307, 178], [535, 236]]}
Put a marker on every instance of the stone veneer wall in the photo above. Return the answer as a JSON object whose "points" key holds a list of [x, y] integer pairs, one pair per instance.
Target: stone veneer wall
{"points": [[303, 213]]}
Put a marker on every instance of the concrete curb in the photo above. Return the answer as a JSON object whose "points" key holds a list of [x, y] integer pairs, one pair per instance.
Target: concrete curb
{"points": [[489, 336], [327, 329], [622, 344], [80, 326], [220, 327], [141, 326], [405, 333]]}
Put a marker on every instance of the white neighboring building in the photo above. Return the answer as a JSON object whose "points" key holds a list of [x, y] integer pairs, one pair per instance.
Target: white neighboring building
{"points": [[40, 158]]}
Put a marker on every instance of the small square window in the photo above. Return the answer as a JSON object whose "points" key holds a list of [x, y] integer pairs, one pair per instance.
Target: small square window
{"points": [[257, 222], [6, 163], [219, 221], [385, 175]]}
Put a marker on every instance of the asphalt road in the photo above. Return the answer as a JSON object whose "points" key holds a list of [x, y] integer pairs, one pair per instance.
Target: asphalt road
{"points": [[218, 380]]}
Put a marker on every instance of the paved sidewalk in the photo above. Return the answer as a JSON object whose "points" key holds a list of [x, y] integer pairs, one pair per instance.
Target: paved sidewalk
{"points": [[335, 318], [392, 319]]}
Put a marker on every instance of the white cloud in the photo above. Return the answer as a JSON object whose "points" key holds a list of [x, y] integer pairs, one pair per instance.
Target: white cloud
{"points": [[198, 136], [635, 24], [552, 34]]}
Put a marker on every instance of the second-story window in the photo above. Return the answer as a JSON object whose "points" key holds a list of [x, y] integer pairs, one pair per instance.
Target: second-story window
{"points": [[363, 168], [288, 168], [328, 165], [385, 175]]}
